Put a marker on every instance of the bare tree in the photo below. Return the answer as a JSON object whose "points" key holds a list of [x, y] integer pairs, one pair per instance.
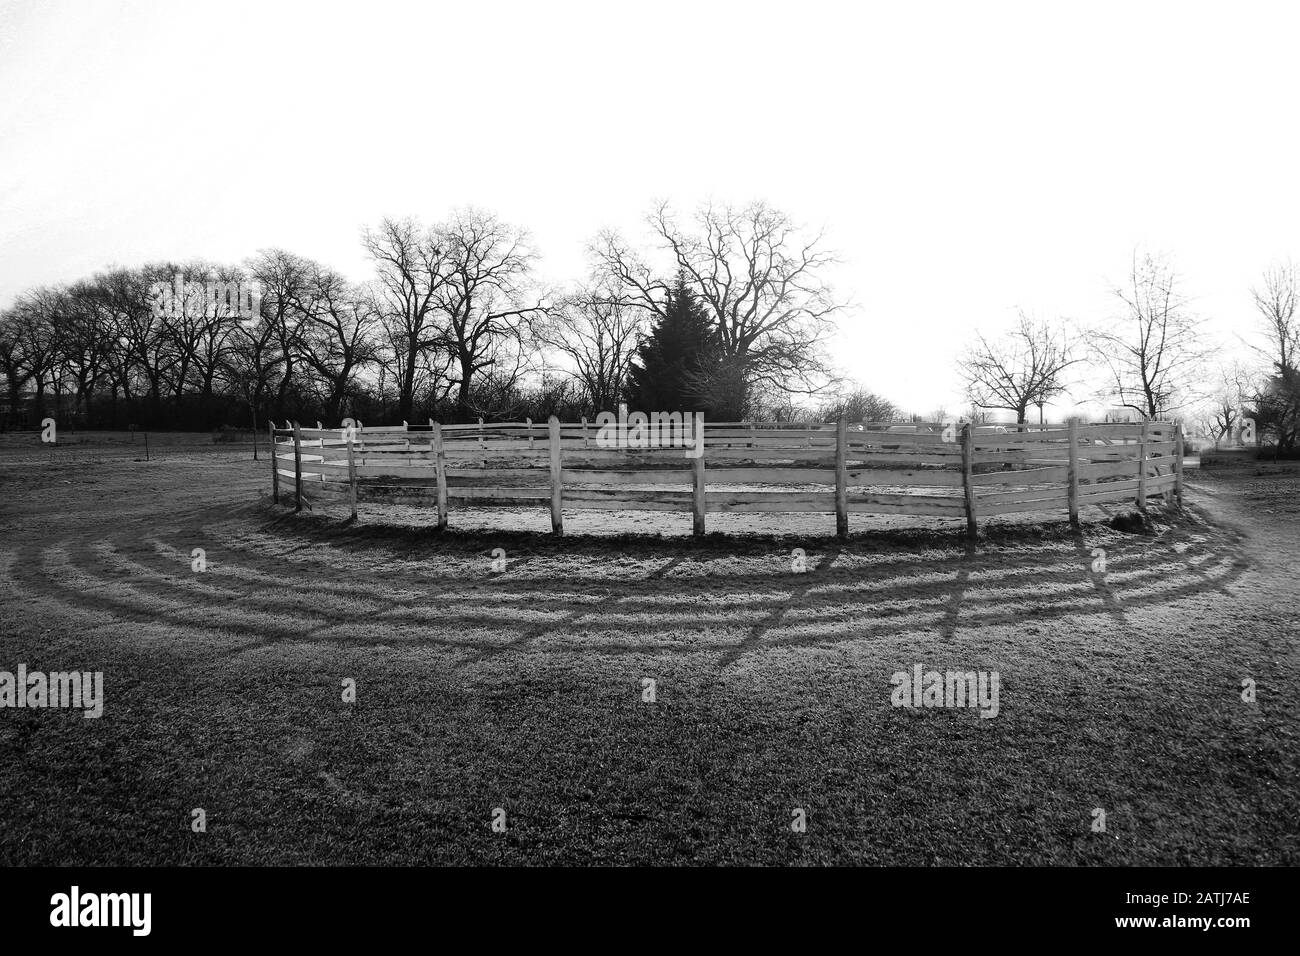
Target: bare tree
{"points": [[1153, 352], [1277, 299], [596, 335], [340, 334], [482, 302], [1276, 404], [282, 277], [31, 346], [411, 268], [761, 281], [860, 405], [1026, 367]]}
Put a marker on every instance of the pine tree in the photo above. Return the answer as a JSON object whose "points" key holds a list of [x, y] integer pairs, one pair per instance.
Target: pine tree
{"points": [[680, 353]]}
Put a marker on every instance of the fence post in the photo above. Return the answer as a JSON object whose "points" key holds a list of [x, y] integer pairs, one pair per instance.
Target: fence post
{"points": [[297, 468], [841, 479], [1142, 468], [1178, 464], [529, 423], [275, 465], [480, 434], [440, 469], [967, 456], [697, 475], [557, 476], [1073, 472], [352, 479]]}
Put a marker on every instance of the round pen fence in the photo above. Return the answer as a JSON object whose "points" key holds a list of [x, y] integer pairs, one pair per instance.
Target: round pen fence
{"points": [[930, 470]]}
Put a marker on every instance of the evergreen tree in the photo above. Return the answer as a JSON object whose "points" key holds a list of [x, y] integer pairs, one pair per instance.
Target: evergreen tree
{"points": [[676, 358]]}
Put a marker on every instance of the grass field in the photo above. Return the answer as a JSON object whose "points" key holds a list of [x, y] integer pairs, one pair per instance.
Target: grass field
{"points": [[521, 689]]}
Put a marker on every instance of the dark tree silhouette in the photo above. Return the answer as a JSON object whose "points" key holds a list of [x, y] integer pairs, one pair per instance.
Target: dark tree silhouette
{"points": [[676, 359]]}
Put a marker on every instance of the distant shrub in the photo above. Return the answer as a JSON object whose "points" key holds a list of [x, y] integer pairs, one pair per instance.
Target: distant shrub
{"points": [[229, 433]]}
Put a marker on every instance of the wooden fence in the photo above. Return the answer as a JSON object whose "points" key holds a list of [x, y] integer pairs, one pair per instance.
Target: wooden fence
{"points": [[926, 469]]}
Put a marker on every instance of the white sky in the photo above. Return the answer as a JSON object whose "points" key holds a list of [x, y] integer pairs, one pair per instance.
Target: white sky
{"points": [[966, 159]]}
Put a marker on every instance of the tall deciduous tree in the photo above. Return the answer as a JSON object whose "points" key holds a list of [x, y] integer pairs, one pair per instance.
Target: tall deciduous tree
{"points": [[1153, 351], [1277, 403], [760, 281], [1024, 368], [484, 298], [596, 335], [411, 265]]}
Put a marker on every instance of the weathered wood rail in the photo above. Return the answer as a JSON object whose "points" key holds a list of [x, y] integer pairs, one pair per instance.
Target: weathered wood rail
{"points": [[938, 470]]}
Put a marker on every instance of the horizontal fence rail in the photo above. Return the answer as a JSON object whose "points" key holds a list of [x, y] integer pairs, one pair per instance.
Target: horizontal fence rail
{"points": [[926, 469]]}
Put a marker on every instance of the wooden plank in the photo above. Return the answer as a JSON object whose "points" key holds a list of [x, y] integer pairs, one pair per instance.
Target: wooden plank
{"points": [[1021, 476], [1142, 470], [819, 455], [497, 493], [1130, 486], [632, 500], [297, 468], [967, 456], [368, 470], [1072, 479], [1098, 497], [1178, 466], [1111, 430], [440, 466], [629, 476], [1052, 503], [936, 508], [908, 460], [1023, 494], [1106, 469], [352, 481], [533, 476], [955, 503], [557, 476], [275, 469], [1046, 454], [1012, 439], [699, 502], [902, 439], [765, 475], [770, 501], [946, 477], [841, 480], [579, 498], [1162, 483], [930, 447]]}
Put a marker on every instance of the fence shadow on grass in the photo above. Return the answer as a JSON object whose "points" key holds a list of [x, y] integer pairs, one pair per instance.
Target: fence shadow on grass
{"points": [[311, 578]]}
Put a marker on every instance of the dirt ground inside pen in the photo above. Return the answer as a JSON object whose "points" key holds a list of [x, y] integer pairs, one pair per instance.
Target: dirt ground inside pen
{"points": [[516, 681]]}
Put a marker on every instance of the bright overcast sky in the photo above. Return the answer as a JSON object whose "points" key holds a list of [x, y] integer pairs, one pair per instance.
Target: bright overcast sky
{"points": [[965, 159]]}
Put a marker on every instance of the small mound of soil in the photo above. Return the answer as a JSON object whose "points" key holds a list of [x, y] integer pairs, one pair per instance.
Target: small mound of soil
{"points": [[1131, 522]]}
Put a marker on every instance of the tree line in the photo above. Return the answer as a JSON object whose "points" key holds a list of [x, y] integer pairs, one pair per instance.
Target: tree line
{"points": [[1152, 359], [726, 311], [729, 304]]}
